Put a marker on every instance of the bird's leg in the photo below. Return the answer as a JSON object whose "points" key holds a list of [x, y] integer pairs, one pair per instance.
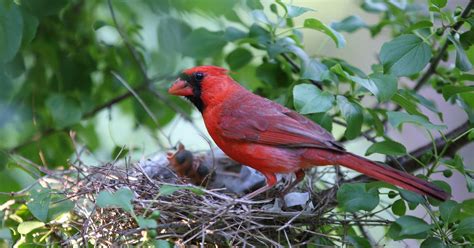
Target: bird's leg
{"points": [[271, 181], [299, 177]]}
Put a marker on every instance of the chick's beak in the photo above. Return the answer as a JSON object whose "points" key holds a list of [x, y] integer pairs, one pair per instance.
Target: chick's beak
{"points": [[180, 88]]}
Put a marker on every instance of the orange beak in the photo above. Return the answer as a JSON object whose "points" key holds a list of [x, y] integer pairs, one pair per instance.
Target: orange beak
{"points": [[181, 88]]}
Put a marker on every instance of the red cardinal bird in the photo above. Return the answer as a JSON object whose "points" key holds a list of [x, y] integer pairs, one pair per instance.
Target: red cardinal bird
{"points": [[273, 139]]}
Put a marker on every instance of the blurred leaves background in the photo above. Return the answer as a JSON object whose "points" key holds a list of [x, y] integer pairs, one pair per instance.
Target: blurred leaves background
{"points": [[76, 66]]}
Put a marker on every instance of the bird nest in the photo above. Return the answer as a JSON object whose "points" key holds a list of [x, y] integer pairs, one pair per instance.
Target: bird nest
{"points": [[171, 210]]}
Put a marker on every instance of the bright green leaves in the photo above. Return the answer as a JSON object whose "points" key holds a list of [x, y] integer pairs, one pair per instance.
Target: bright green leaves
{"points": [[353, 114], [349, 24], [202, 43], [45, 205], [451, 90], [65, 111], [358, 242], [387, 147], [166, 190], [333, 34], [238, 58], [353, 197], [146, 223], [308, 99], [396, 119], [457, 163], [28, 226], [439, 3], [405, 55], [11, 31], [122, 198], [409, 227], [295, 11]]}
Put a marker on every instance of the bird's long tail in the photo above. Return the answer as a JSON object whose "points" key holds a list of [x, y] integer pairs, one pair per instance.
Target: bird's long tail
{"points": [[388, 174]]}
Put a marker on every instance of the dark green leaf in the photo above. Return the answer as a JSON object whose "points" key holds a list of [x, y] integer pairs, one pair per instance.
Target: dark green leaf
{"points": [[28, 226], [314, 70], [318, 25], [66, 111], [210, 43], [466, 77], [120, 199], [39, 204], [468, 206], [146, 223], [411, 196], [408, 103], [353, 197], [238, 58], [405, 55], [411, 225], [358, 242], [399, 208], [466, 226], [58, 207], [30, 25], [45, 7], [349, 24], [387, 147], [398, 118], [11, 31], [382, 86], [171, 34], [162, 244], [353, 114], [308, 99], [450, 211], [462, 61], [450, 90], [16, 66], [233, 34], [271, 74], [377, 123], [432, 242]]}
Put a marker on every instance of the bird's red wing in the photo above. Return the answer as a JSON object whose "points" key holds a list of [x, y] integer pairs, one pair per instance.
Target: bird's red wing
{"points": [[259, 120]]}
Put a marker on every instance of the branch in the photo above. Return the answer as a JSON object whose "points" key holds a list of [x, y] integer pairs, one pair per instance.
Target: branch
{"points": [[296, 69]]}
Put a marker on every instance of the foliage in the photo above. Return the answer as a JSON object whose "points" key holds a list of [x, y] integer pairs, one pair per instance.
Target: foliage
{"points": [[57, 60]]}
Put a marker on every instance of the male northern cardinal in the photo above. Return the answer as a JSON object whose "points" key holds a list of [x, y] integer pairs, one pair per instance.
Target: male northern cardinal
{"points": [[273, 139]]}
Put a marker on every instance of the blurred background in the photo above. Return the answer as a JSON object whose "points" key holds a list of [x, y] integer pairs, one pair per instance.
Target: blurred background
{"points": [[61, 78]]}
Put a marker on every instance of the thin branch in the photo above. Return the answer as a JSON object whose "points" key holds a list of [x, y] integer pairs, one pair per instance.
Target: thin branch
{"points": [[296, 69]]}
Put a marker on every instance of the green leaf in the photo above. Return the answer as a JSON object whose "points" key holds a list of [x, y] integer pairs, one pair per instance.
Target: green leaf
{"points": [[468, 206], [66, 111], [399, 207], [15, 67], [120, 199], [353, 197], [39, 204], [382, 86], [162, 244], [450, 211], [358, 242], [313, 70], [353, 114], [146, 223], [458, 164], [408, 102], [419, 25], [238, 58], [462, 61], [58, 207], [466, 226], [318, 25], [387, 147], [210, 43], [259, 16], [439, 3], [411, 225], [308, 99], [451, 90], [398, 118], [405, 55], [349, 24], [411, 196], [28, 226], [45, 7], [374, 6], [432, 242], [295, 11], [171, 34], [233, 34], [30, 25], [11, 31]]}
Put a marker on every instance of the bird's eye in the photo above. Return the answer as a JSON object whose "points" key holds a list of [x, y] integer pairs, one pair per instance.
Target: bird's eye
{"points": [[198, 76]]}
